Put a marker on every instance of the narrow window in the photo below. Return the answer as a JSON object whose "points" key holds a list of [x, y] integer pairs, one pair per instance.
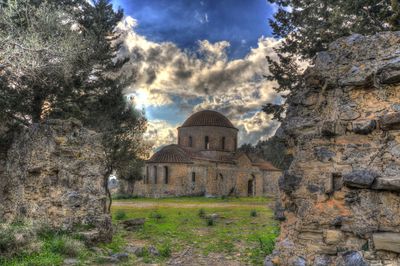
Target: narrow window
{"points": [[146, 178], [206, 143], [235, 143], [166, 174], [223, 143], [179, 140], [193, 177], [190, 141], [155, 174]]}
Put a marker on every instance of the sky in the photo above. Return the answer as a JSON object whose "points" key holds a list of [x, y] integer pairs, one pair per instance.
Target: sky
{"points": [[191, 55]]}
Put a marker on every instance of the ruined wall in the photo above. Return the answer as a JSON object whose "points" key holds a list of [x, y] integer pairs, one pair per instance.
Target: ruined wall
{"points": [[55, 174], [340, 195]]}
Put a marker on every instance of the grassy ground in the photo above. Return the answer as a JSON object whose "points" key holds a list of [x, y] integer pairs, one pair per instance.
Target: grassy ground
{"points": [[244, 231]]}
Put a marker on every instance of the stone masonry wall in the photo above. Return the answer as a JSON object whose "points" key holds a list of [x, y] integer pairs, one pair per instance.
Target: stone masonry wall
{"points": [[55, 174], [340, 196]]}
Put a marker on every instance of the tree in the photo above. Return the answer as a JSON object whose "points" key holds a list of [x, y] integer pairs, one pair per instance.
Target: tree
{"points": [[58, 59], [307, 27]]}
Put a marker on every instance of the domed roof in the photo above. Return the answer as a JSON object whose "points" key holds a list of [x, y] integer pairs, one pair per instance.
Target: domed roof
{"points": [[208, 118], [170, 154]]}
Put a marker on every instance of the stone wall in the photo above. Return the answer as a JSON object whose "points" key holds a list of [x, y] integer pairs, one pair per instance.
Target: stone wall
{"points": [[55, 174], [340, 196]]}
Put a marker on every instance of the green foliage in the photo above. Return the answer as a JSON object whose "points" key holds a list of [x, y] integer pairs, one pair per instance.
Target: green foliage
{"points": [[308, 27], [157, 216], [210, 221], [65, 245], [124, 196], [202, 213], [253, 213], [165, 251], [120, 215]]}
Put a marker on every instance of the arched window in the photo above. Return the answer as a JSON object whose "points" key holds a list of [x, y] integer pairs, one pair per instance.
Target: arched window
{"points": [[166, 174], [206, 143], [223, 143], [221, 177], [155, 174], [190, 141]]}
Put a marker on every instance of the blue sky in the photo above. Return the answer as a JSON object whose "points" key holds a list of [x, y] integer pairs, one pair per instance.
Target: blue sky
{"points": [[184, 22], [190, 55]]}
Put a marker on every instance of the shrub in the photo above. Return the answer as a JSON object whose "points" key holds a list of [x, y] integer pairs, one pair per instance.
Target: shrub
{"points": [[124, 196], [165, 251], [253, 213], [202, 213], [66, 245], [15, 238], [120, 215], [210, 221], [156, 215]]}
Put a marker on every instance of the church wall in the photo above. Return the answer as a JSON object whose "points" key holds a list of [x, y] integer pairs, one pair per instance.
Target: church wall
{"points": [[270, 186], [215, 135]]}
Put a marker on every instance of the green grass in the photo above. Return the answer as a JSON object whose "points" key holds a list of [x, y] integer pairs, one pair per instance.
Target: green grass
{"points": [[235, 233]]}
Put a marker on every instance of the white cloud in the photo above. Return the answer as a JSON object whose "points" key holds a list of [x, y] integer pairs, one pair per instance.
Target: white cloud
{"points": [[237, 88]]}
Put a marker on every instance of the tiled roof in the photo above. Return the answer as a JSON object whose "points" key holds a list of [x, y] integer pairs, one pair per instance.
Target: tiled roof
{"points": [[267, 166], [208, 118], [171, 154]]}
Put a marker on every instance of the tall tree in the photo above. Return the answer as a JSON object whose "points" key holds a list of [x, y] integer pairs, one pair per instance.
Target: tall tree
{"points": [[307, 27]]}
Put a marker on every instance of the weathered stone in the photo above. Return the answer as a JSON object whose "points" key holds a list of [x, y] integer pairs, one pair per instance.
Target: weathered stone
{"points": [[133, 224], [288, 182], [353, 258], [389, 241], [360, 178], [322, 261], [333, 236], [390, 121], [137, 251], [121, 256], [55, 174], [153, 251], [364, 127], [385, 183], [349, 113], [389, 74], [323, 154], [298, 261]]}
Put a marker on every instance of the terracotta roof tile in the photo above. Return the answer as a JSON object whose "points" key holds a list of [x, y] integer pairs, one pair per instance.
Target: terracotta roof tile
{"points": [[171, 154]]}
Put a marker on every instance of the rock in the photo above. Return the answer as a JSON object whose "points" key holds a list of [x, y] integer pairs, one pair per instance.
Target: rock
{"points": [[360, 178], [107, 259], [137, 251], [268, 261], [213, 216], [323, 154], [349, 113], [153, 251], [121, 256], [332, 237], [364, 127], [133, 224], [390, 121], [71, 261], [384, 183], [389, 241], [279, 211], [353, 258], [289, 183], [298, 261], [389, 74], [322, 261]]}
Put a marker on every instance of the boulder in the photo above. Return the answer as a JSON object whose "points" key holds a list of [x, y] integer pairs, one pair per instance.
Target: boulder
{"points": [[389, 241], [360, 178], [353, 258]]}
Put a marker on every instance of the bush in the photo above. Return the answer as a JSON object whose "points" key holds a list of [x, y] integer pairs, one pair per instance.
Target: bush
{"points": [[253, 213], [165, 251], [202, 213], [66, 245], [210, 221], [15, 238], [124, 196], [156, 215], [120, 215]]}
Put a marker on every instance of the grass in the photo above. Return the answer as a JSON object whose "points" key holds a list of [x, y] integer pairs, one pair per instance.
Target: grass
{"points": [[235, 233]]}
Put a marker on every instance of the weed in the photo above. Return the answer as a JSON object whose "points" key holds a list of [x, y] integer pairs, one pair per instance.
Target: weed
{"points": [[120, 215], [165, 251], [156, 215], [210, 221], [253, 213], [202, 213], [66, 245]]}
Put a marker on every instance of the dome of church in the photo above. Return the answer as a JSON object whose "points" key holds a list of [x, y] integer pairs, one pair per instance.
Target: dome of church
{"points": [[208, 118], [170, 154]]}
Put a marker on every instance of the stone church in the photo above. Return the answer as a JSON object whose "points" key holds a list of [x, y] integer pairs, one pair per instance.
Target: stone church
{"points": [[206, 162]]}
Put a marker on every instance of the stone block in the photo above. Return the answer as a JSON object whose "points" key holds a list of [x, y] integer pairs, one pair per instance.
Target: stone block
{"points": [[388, 241], [390, 121], [384, 183], [332, 237], [364, 127], [360, 178]]}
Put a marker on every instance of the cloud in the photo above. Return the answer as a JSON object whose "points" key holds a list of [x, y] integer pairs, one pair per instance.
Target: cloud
{"points": [[160, 133], [236, 88]]}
